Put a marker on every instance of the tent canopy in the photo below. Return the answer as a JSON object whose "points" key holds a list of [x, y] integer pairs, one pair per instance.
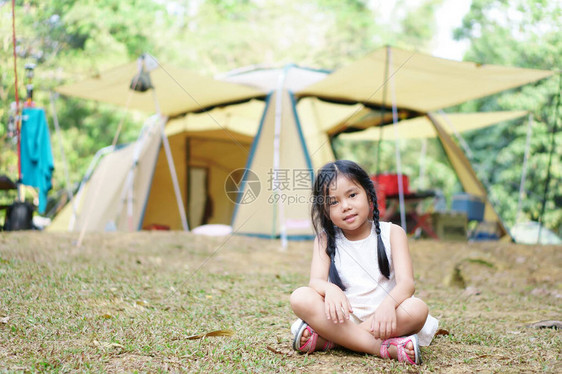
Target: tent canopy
{"points": [[233, 120], [422, 127], [423, 83], [178, 90]]}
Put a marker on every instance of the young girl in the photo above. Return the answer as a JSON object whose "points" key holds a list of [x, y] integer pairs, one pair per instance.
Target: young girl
{"points": [[360, 294]]}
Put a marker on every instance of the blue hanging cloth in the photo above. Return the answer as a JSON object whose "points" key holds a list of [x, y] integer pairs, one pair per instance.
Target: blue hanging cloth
{"points": [[36, 156]]}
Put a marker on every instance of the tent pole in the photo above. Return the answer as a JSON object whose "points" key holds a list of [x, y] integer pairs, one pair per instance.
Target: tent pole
{"points": [[277, 159], [167, 151], [171, 165], [552, 147], [397, 145], [423, 153], [524, 171], [383, 106], [19, 111]]}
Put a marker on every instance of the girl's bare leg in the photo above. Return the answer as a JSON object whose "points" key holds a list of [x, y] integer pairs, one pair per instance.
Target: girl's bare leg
{"points": [[410, 316], [309, 306]]}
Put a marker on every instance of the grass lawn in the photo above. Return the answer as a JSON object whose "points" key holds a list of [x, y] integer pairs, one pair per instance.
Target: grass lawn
{"points": [[129, 303]]}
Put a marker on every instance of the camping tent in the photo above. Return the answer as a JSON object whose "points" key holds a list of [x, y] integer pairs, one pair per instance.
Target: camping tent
{"points": [[121, 176], [289, 133], [214, 144]]}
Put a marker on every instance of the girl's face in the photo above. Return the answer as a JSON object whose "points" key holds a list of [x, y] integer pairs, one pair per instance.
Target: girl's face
{"points": [[349, 208]]}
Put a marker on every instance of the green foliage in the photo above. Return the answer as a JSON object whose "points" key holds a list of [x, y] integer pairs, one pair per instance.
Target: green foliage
{"points": [[416, 28], [66, 41], [522, 33]]}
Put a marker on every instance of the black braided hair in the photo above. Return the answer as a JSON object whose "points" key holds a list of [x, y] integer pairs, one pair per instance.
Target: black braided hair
{"points": [[321, 215]]}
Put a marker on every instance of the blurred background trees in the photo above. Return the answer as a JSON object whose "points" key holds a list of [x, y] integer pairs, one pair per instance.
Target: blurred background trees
{"points": [[69, 40], [520, 33]]}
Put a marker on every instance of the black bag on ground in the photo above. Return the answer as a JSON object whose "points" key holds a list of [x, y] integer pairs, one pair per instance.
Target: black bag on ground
{"points": [[19, 216]]}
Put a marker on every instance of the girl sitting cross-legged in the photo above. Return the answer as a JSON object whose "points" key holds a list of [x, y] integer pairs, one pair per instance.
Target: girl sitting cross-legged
{"points": [[360, 294]]}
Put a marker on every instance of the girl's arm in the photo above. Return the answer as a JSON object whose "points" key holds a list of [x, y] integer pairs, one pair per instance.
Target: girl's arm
{"points": [[384, 323], [336, 305]]}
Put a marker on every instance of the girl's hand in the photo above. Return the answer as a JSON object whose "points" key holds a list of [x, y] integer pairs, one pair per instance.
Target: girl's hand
{"points": [[383, 322], [336, 305]]}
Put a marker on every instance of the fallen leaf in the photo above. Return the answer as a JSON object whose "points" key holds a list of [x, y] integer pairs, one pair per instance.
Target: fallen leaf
{"points": [[212, 333], [442, 332], [4, 319]]}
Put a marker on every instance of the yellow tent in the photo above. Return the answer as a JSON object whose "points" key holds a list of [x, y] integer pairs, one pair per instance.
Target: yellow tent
{"points": [[215, 127]]}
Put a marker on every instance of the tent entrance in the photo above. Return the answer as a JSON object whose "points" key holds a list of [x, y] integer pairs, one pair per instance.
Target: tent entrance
{"points": [[210, 162]]}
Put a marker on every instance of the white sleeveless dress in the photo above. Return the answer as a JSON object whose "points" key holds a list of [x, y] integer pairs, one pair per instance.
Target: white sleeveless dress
{"points": [[366, 287]]}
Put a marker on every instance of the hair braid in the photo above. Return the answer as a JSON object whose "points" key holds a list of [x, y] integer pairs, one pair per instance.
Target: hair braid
{"points": [[384, 265], [333, 274]]}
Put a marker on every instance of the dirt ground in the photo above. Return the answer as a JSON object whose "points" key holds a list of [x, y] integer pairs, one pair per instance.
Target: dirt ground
{"points": [[485, 294]]}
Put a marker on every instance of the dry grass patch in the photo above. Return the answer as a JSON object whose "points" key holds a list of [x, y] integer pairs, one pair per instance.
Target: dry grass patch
{"points": [[129, 302]]}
